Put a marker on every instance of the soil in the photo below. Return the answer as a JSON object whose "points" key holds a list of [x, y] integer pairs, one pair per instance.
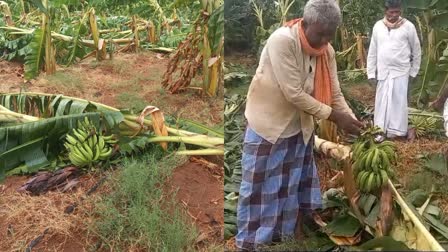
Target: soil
{"points": [[362, 92], [199, 186]]}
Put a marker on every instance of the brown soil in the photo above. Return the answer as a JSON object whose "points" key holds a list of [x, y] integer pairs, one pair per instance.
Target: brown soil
{"points": [[199, 186], [362, 92]]}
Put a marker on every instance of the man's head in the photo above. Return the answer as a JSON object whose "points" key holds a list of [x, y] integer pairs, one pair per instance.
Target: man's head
{"points": [[320, 20], [393, 10]]}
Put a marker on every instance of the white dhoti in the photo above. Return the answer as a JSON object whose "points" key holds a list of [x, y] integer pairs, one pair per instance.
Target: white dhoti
{"points": [[391, 106]]}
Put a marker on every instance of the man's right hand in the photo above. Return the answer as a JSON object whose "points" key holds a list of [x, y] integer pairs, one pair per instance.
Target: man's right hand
{"points": [[373, 82], [346, 122], [437, 104]]}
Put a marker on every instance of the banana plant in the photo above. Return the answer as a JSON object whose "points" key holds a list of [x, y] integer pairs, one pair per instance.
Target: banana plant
{"points": [[432, 23], [33, 127], [42, 52], [213, 47]]}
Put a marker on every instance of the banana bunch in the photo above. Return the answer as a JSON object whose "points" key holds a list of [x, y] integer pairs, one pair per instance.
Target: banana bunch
{"points": [[86, 146], [423, 125], [372, 161]]}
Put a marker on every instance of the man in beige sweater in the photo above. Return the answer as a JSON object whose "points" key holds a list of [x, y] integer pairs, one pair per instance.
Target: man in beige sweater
{"points": [[295, 82]]}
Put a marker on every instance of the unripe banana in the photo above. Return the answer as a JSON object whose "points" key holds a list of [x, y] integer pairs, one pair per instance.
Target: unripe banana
{"points": [[384, 176], [105, 155], [370, 180]]}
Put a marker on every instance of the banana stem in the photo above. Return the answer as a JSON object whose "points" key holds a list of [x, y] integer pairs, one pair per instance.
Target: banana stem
{"points": [[174, 131], [204, 152], [7, 115], [187, 140]]}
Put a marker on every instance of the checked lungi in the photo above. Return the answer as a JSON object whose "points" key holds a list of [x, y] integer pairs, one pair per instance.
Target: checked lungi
{"points": [[278, 180]]}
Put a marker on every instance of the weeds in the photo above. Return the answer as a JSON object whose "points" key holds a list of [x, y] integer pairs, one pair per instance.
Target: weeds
{"points": [[135, 215], [131, 100]]}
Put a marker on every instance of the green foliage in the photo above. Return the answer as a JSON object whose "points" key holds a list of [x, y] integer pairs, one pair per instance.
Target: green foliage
{"points": [[234, 135], [35, 57], [35, 145], [360, 16], [239, 25], [216, 29], [15, 49], [135, 213]]}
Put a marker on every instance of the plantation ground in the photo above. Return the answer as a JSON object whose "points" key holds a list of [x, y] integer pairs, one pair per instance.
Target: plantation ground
{"points": [[410, 171], [128, 81]]}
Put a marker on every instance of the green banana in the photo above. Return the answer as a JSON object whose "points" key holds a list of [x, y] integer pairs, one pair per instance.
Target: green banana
{"points": [[83, 133], [370, 181], [375, 160], [97, 152], [84, 153], [363, 181], [79, 137], [101, 142], [379, 182], [88, 149], [384, 176], [105, 155], [359, 178], [71, 139], [369, 159], [77, 159]]}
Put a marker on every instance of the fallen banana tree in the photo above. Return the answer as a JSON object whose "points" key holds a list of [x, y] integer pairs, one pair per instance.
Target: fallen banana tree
{"points": [[35, 126], [407, 227]]}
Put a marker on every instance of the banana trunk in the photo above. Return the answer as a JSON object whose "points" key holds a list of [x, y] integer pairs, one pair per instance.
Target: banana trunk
{"points": [[152, 33], [99, 44], [50, 60], [206, 52], [7, 13], [135, 32]]}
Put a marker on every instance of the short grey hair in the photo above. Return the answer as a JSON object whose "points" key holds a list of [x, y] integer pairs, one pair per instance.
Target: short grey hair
{"points": [[325, 12]]}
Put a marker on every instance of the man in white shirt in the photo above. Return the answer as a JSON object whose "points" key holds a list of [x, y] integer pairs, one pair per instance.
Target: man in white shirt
{"points": [[393, 62]]}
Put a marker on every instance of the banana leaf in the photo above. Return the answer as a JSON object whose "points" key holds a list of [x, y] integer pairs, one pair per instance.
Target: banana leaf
{"points": [[35, 58], [35, 144]]}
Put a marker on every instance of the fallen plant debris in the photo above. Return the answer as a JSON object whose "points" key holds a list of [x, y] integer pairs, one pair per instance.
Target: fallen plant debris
{"points": [[64, 180], [93, 125]]}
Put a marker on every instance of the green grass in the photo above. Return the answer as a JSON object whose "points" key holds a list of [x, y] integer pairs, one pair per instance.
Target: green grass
{"points": [[425, 180], [137, 214], [131, 100], [67, 80]]}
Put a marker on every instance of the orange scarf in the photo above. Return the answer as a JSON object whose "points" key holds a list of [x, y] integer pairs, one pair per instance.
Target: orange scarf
{"points": [[322, 80]]}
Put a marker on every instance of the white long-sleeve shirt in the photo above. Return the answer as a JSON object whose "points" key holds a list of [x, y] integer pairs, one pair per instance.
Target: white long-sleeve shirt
{"points": [[396, 52]]}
